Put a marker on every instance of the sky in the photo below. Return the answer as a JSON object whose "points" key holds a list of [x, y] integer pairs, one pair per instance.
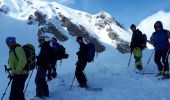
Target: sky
{"points": [[125, 11]]}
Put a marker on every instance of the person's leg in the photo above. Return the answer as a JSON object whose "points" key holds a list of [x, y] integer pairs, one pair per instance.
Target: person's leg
{"points": [[79, 73], [21, 80], [44, 83], [13, 91], [54, 72], [138, 58], [165, 70], [157, 59], [40, 77], [17, 87]]}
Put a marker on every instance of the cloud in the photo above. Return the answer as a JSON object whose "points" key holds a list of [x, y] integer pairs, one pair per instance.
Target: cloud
{"points": [[147, 25]]}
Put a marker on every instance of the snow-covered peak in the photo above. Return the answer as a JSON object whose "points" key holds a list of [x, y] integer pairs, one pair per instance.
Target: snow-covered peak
{"points": [[147, 25]]}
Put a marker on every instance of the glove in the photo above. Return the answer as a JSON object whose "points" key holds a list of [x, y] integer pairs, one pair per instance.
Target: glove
{"points": [[10, 76], [14, 72]]}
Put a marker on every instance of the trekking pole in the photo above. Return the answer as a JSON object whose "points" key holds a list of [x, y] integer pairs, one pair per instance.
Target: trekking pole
{"points": [[129, 62], [72, 82], [28, 81], [8, 82], [148, 62]]}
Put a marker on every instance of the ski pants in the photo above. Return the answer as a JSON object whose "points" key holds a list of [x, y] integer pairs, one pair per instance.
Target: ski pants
{"points": [[137, 51], [81, 78], [161, 59], [41, 83], [17, 87]]}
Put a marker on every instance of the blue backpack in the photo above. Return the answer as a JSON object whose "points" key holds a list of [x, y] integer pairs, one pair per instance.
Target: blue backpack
{"points": [[91, 52]]}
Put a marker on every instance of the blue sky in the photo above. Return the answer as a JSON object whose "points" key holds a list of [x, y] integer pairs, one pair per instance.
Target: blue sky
{"points": [[125, 11]]}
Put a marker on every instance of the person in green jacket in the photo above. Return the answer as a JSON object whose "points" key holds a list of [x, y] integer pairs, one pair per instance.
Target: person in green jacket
{"points": [[17, 62]]}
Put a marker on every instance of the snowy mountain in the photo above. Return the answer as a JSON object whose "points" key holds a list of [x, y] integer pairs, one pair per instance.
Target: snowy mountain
{"points": [[108, 71], [147, 25], [62, 22]]}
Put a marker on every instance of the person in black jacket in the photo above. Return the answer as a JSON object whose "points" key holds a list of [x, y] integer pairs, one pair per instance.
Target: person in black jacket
{"points": [[81, 63], [52, 73], [136, 46], [43, 63]]}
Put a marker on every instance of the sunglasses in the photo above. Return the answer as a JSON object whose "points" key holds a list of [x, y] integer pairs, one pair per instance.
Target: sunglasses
{"points": [[157, 26]]}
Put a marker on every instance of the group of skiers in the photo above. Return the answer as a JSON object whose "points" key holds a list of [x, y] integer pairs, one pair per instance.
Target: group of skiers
{"points": [[45, 65], [160, 41], [46, 62]]}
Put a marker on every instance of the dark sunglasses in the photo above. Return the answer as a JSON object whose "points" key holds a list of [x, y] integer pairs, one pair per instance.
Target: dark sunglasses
{"points": [[157, 26]]}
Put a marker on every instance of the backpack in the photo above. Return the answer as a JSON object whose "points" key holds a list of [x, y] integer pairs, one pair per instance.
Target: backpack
{"points": [[144, 41], [91, 52], [29, 50], [61, 53]]}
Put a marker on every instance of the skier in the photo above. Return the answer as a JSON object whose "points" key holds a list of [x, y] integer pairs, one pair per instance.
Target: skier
{"points": [[81, 63], [43, 63], [17, 72], [52, 69], [136, 46], [160, 41]]}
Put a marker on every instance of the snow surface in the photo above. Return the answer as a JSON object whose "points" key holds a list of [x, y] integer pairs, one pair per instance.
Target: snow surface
{"points": [[109, 71]]}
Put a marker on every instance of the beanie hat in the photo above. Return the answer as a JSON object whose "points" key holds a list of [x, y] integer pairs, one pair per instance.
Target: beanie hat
{"points": [[132, 26], [9, 40]]}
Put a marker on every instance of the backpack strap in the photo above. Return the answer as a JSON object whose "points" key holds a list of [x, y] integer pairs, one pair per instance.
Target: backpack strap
{"points": [[15, 54]]}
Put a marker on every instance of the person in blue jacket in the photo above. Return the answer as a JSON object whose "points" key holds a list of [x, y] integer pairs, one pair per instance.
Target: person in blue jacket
{"points": [[160, 41]]}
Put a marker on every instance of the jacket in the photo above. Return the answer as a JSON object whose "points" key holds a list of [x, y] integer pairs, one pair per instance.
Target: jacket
{"points": [[159, 39], [83, 52], [136, 39], [45, 56], [18, 63]]}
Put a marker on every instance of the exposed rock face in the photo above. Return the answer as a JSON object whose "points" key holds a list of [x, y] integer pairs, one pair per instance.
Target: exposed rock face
{"points": [[79, 30], [104, 21], [50, 28], [122, 45]]}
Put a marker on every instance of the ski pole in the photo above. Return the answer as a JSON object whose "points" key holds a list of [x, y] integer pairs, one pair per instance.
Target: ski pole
{"points": [[28, 81], [148, 61], [8, 83], [129, 62], [72, 82]]}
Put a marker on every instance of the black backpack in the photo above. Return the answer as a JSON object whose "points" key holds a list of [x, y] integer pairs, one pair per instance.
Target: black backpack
{"points": [[29, 50], [143, 41], [91, 52], [61, 53]]}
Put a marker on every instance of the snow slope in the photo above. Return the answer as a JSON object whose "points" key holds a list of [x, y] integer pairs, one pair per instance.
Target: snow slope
{"points": [[109, 71]]}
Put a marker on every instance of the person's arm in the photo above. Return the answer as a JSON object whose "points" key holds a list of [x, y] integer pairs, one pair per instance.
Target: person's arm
{"points": [[22, 60], [152, 39], [168, 34]]}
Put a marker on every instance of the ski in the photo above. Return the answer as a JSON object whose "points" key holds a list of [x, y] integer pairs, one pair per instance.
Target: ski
{"points": [[94, 89], [163, 78], [148, 73]]}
